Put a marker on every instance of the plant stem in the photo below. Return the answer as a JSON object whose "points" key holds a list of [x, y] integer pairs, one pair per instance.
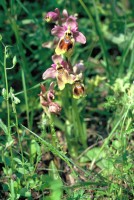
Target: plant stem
{"points": [[7, 95], [8, 107], [23, 70], [78, 124], [17, 130], [53, 133]]}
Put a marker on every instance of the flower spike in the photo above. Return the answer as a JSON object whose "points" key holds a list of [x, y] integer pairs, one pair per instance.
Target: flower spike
{"points": [[66, 29]]}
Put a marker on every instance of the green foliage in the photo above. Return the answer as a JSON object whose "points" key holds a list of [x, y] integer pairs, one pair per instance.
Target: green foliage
{"points": [[86, 152]]}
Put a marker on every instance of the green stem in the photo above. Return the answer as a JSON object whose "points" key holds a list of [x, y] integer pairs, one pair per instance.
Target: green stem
{"points": [[7, 95], [17, 130], [78, 124], [8, 107], [53, 133], [25, 96], [15, 28]]}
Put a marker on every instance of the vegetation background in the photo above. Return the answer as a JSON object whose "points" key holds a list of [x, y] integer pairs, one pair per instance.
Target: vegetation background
{"points": [[86, 152]]}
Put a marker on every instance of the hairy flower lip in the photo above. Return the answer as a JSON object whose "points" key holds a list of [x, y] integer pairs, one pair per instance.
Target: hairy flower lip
{"points": [[78, 89]]}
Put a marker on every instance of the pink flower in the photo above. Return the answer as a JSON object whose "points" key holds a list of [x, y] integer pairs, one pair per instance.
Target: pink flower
{"points": [[46, 100], [52, 16], [54, 108], [68, 34], [60, 31], [60, 71], [51, 72]]}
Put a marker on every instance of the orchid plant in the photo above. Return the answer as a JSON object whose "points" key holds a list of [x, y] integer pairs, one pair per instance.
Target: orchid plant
{"points": [[67, 32]]}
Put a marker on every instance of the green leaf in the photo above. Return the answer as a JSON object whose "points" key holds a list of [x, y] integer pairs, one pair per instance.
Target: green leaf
{"points": [[9, 143], [5, 187], [57, 190], [116, 144], [90, 155], [16, 100], [7, 161], [22, 170], [12, 190], [53, 171], [25, 192], [56, 182], [103, 161], [0, 37], [18, 161], [34, 147], [14, 60], [4, 93], [3, 126], [3, 4]]}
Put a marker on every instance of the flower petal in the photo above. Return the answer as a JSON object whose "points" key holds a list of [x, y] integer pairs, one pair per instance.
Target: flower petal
{"points": [[57, 59], [71, 79], [57, 11], [49, 73], [47, 44], [43, 89], [79, 67], [79, 37], [58, 31], [54, 108], [65, 13], [51, 44], [62, 75], [71, 22], [65, 65]]}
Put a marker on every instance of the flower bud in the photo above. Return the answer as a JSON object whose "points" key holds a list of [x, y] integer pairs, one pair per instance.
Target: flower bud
{"points": [[54, 108], [79, 67], [52, 16]]}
